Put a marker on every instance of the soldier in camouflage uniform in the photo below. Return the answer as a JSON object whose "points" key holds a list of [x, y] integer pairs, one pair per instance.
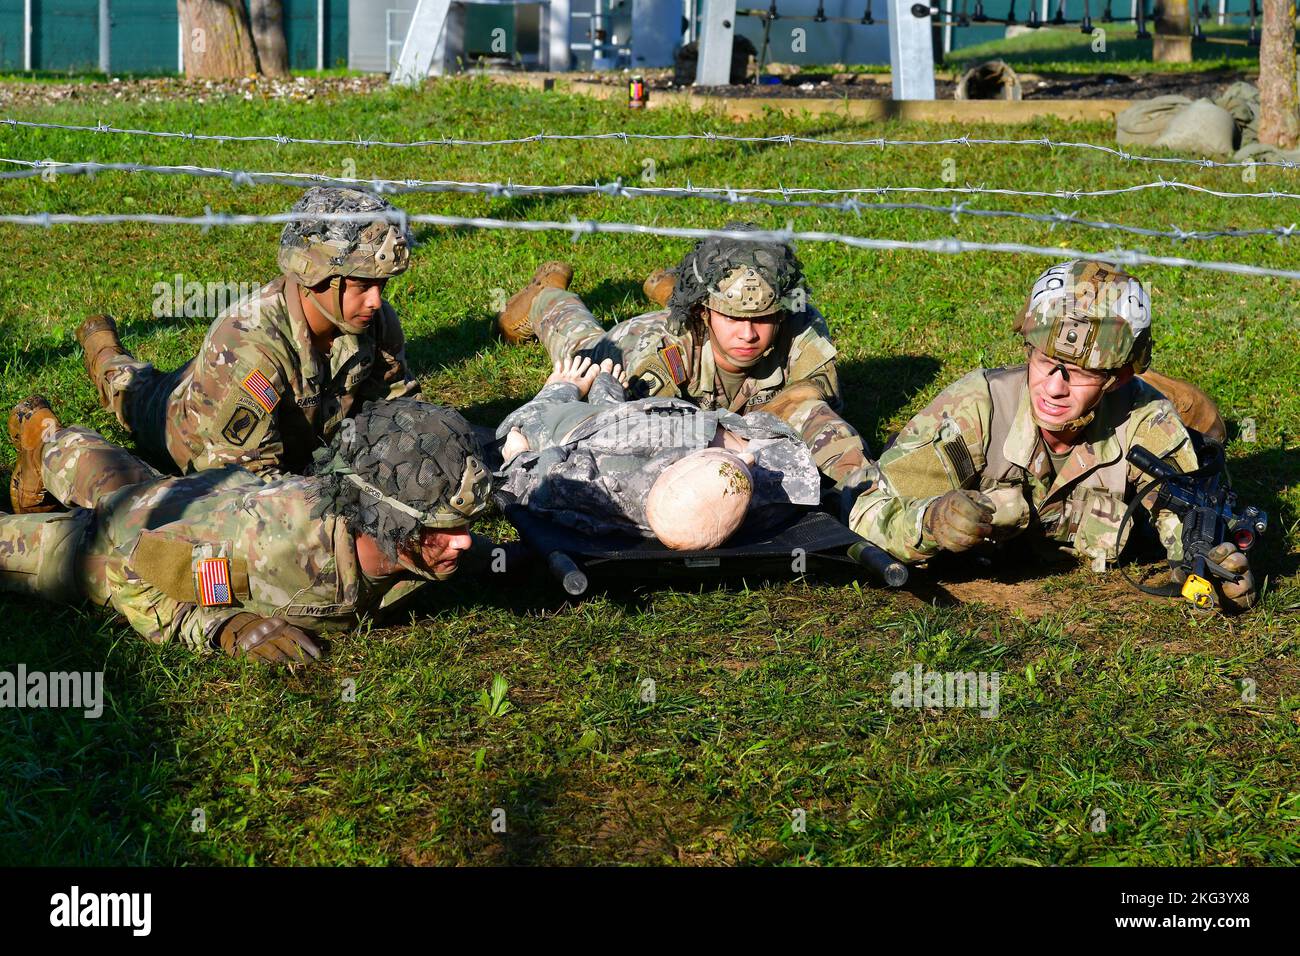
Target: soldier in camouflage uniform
{"points": [[739, 334], [222, 559], [1041, 447], [278, 371], [590, 464]]}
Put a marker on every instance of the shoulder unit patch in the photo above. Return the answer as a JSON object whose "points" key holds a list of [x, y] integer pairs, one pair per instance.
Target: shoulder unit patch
{"points": [[241, 424]]}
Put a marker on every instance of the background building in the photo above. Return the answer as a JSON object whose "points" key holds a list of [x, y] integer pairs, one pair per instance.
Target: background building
{"points": [[367, 35]]}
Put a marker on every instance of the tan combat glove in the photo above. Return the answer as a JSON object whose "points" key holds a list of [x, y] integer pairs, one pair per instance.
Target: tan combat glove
{"points": [[1240, 596], [271, 640], [959, 520]]}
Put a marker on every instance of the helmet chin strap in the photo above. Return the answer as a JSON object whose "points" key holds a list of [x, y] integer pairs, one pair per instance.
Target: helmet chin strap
{"points": [[334, 311], [1073, 424]]}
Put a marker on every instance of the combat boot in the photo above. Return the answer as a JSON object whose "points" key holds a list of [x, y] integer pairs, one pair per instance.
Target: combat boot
{"points": [[514, 323], [1196, 409], [658, 286], [99, 343], [31, 424]]}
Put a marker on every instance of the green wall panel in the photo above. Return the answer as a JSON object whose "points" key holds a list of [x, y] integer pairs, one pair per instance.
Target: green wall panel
{"points": [[65, 35], [11, 34], [144, 36]]}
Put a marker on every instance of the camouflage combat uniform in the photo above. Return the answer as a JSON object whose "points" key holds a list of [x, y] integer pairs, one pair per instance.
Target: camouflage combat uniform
{"points": [[591, 464], [133, 538], [258, 394], [796, 379], [979, 433]]}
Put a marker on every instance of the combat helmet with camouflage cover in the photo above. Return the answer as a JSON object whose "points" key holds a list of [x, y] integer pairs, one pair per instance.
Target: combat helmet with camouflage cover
{"points": [[1090, 314], [399, 467], [745, 279], [314, 250]]}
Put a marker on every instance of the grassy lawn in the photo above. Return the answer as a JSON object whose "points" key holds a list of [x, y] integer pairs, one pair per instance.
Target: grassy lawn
{"points": [[771, 697], [1067, 50]]}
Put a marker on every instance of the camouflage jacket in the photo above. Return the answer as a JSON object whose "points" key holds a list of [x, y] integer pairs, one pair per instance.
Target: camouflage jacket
{"points": [[952, 444], [259, 394], [282, 562], [590, 467]]}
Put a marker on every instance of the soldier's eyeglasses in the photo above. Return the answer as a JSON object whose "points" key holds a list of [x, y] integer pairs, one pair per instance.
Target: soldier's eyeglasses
{"points": [[1047, 366]]}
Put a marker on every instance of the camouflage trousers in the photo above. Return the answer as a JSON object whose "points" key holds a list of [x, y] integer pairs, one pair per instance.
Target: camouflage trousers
{"points": [[139, 395], [65, 557], [566, 327]]}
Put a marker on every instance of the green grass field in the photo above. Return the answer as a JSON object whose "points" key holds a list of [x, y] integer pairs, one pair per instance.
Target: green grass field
{"points": [[1067, 50], [771, 698]]}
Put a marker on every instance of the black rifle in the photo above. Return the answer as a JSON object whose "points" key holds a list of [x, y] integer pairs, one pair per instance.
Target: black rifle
{"points": [[1207, 505]]}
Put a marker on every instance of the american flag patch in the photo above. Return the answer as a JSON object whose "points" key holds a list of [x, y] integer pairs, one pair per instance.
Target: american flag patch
{"points": [[213, 575], [672, 356], [261, 390]]}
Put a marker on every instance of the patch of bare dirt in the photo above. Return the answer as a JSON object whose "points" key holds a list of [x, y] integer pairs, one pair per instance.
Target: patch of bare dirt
{"points": [[158, 89], [872, 86], [1027, 590]]}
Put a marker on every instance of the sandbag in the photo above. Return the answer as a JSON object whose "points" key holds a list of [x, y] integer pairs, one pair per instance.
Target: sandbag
{"points": [[687, 59], [993, 80], [1263, 153], [1242, 101], [1144, 122], [1201, 129]]}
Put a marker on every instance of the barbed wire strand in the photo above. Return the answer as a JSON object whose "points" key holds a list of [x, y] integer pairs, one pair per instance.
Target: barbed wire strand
{"points": [[61, 168], [35, 168], [787, 139], [577, 229]]}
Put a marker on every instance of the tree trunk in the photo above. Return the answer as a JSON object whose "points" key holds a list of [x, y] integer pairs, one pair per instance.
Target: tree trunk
{"points": [[217, 42], [268, 35], [1279, 119], [1173, 39]]}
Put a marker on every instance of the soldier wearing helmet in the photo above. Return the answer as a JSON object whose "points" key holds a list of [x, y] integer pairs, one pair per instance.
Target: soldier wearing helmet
{"points": [[1041, 447], [277, 371], [738, 334], [223, 561]]}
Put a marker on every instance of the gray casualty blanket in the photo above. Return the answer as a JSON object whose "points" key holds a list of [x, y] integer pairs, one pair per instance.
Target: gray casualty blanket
{"points": [[591, 463]]}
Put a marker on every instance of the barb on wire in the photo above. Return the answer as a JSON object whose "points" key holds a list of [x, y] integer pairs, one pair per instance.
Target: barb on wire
{"points": [[710, 137], [616, 190], [578, 228]]}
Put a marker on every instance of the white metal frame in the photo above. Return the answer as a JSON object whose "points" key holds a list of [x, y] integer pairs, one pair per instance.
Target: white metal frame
{"points": [[27, 35], [105, 44], [911, 52], [717, 34]]}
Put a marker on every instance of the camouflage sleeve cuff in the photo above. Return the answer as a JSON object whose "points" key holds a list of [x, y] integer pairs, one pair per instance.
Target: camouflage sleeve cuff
{"points": [[895, 524]]}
